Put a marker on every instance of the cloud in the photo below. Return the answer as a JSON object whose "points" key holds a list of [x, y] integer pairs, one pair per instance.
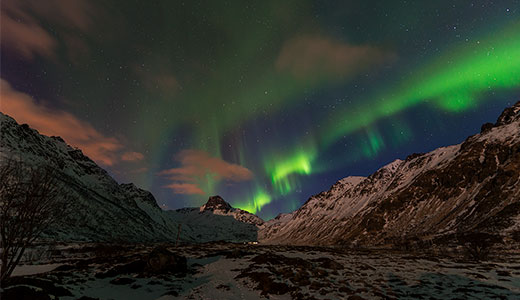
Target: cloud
{"points": [[77, 48], [132, 156], [77, 14], [196, 165], [310, 55], [185, 188], [140, 170], [22, 30], [103, 149], [158, 79]]}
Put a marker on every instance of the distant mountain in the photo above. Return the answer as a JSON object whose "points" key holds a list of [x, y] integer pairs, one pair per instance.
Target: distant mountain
{"points": [[473, 186], [104, 210], [217, 206], [218, 220]]}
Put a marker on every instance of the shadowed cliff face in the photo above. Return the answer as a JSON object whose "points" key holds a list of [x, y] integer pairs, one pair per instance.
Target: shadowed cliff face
{"points": [[474, 186]]}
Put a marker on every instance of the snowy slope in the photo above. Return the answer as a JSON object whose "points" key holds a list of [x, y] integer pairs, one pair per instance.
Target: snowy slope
{"points": [[471, 186], [104, 210], [217, 206], [217, 220]]}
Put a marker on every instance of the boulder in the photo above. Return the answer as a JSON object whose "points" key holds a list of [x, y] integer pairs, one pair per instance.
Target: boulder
{"points": [[161, 260]]}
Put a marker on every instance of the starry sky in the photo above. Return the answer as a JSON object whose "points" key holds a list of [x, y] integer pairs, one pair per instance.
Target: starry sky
{"points": [[262, 102]]}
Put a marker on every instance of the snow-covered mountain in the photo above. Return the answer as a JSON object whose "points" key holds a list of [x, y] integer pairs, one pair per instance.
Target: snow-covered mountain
{"points": [[104, 210], [217, 220], [473, 186], [217, 206]]}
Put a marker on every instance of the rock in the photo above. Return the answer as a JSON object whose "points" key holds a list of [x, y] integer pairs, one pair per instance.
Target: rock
{"points": [[266, 284], [328, 263], [24, 293], [224, 287], [21, 287], [238, 253], [64, 268], [486, 127], [172, 293], [356, 297], [137, 266], [161, 260], [415, 155], [134, 267]]}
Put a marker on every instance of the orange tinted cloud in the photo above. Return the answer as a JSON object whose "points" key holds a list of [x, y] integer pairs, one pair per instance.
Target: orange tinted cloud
{"points": [[185, 188], [70, 13], [103, 149], [309, 55], [140, 170], [196, 165], [22, 30], [132, 156]]}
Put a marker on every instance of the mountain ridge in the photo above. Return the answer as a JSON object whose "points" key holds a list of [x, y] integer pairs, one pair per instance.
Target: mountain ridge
{"points": [[471, 186], [106, 211], [446, 191]]}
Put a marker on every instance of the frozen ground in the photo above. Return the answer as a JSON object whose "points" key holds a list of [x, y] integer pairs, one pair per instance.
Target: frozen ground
{"points": [[231, 271]]}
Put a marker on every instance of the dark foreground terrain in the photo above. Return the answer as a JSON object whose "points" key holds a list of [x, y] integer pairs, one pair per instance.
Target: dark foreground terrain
{"points": [[231, 271]]}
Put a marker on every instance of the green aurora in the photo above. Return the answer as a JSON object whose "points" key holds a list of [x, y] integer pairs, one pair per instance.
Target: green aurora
{"points": [[454, 82], [276, 100]]}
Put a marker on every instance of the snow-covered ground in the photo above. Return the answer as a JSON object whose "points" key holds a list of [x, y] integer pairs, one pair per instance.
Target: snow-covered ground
{"points": [[237, 271], [23, 270]]}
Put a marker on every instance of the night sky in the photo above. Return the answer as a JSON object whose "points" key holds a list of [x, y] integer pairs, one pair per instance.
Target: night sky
{"points": [[262, 102]]}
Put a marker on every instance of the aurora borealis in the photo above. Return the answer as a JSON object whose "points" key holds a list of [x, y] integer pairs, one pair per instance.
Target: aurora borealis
{"points": [[264, 103]]}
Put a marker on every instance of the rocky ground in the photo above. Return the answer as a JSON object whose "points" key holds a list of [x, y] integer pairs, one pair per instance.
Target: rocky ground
{"points": [[231, 271]]}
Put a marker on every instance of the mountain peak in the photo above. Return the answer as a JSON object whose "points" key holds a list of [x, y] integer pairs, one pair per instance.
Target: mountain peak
{"points": [[352, 180], [392, 167], [216, 203]]}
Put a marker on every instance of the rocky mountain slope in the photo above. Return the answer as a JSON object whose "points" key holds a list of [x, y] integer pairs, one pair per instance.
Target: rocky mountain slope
{"points": [[104, 210], [217, 220], [473, 186], [217, 206]]}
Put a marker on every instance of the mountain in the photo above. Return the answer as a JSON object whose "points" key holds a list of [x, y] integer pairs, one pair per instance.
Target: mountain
{"points": [[104, 210], [217, 206], [218, 220], [472, 186]]}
